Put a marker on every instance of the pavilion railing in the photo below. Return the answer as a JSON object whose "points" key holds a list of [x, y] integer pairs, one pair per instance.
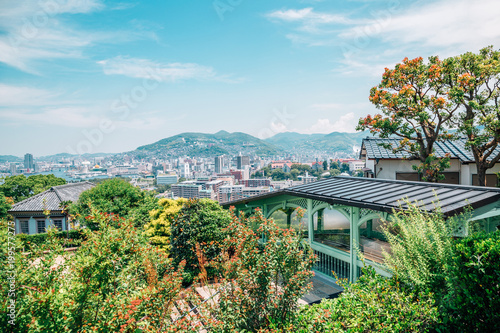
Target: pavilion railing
{"points": [[327, 264]]}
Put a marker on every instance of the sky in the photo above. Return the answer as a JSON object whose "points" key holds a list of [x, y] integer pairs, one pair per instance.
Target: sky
{"points": [[89, 76]]}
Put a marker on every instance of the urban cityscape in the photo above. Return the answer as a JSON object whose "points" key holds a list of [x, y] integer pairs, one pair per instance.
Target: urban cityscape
{"points": [[249, 166]]}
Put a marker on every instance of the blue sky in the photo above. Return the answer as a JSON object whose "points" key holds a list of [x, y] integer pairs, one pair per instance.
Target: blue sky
{"points": [[83, 76]]}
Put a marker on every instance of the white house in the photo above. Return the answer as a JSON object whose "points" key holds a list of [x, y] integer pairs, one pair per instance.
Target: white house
{"points": [[384, 163], [29, 214]]}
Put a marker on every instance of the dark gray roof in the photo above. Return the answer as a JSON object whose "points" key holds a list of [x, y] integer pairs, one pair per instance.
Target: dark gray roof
{"points": [[456, 149], [386, 195], [52, 198]]}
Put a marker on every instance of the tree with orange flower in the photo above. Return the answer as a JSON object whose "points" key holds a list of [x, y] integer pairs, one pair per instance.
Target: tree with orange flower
{"points": [[474, 84], [414, 108]]}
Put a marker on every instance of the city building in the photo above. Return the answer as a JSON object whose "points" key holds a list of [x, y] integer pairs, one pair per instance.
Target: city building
{"points": [[185, 170], [256, 182], [356, 165], [242, 161], [166, 179], [219, 164], [230, 192], [28, 162], [307, 179], [186, 190]]}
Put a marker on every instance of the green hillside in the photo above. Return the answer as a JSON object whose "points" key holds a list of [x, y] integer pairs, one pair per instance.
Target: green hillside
{"points": [[9, 158], [335, 141], [204, 144]]}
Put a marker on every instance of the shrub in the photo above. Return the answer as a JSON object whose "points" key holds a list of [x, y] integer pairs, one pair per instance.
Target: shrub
{"points": [[199, 222], [473, 301], [115, 282], [69, 238], [114, 196], [158, 230], [372, 304], [261, 283], [421, 244]]}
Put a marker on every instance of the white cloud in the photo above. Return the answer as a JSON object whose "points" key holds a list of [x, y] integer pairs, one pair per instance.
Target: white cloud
{"points": [[147, 69], [461, 24], [32, 31], [14, 96], [346, 123], [308, 16]]}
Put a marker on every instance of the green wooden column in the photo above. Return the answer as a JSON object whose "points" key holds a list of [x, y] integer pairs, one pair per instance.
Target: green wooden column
{"points": [[310, 220], [354, 243], [321, 214], [289, 213]]}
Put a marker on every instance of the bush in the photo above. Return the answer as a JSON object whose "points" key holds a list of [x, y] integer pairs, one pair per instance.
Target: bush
{"points": [[473, 301], [261, 283], [421, 244], [199, 222], [114, 196], [69, 238], [158, 230], [372, 304], [115, 282]]}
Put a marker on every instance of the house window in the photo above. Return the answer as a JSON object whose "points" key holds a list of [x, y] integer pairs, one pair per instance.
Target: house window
{"points": [[449, 177], [58, 224], [411, 176], [491, 180], [40, 226], [24, 227]]}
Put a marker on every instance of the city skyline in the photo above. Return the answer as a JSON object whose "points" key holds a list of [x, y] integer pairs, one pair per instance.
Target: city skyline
{"points": [[94, 76]]}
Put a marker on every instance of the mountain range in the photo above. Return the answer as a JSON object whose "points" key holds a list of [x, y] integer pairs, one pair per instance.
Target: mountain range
{"points": [[225, 143], [220, 143]]}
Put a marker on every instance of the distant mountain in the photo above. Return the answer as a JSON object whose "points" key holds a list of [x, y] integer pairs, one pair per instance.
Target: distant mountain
{"points": [[333, 142], [9, 158], [204, 145], [58, 157]]}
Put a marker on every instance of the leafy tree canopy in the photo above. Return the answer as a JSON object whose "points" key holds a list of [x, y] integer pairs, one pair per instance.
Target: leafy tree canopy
{"points": [[474, 84], [5, 204], [158, 230], [115, 196], [21, 187], [415, 108], [199, 222]]}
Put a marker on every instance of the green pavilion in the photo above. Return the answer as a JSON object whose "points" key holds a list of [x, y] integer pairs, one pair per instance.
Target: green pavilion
{"points": [[344, 214]]}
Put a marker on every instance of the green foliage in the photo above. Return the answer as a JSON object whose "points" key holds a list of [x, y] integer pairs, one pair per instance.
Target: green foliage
{"points": [[115, 196], [261, 282], [372, 304], [19, 187], [296, 170], [415, 108], [5, 205], [474, 83], [473, 302], [114, 282], [199, 222], [158, 230], [68, 238], [421, 245]]}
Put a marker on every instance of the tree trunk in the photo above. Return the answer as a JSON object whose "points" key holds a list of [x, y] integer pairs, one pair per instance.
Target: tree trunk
{"points": [[481, 174]]}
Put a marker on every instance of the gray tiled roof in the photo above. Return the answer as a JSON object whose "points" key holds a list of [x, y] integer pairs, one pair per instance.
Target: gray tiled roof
{"points": [[456, 148], [386, 195], [52, 198]]}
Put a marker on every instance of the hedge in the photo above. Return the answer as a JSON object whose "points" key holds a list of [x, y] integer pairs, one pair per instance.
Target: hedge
{"points": [[72, 238]]}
